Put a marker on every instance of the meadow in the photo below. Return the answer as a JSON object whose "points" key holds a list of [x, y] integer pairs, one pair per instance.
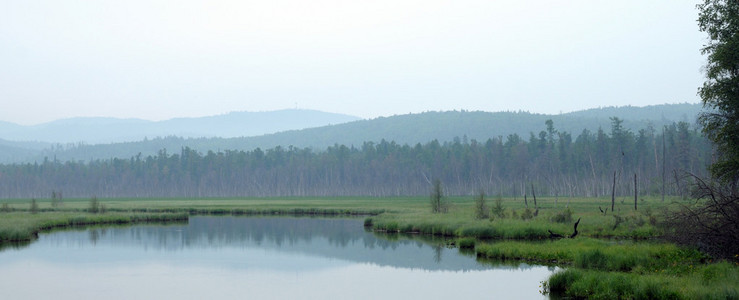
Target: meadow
{"points": [[616, 254]]}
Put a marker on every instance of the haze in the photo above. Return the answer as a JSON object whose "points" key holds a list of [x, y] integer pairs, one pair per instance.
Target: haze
{"points": [[161, 59]]}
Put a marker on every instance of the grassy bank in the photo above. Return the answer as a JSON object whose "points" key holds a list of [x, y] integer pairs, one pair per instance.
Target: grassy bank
{"points": [[610, 269], [615, 254], [515, 221], [23, 226]]}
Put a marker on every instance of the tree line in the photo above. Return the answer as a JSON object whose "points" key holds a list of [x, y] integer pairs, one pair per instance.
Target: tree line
{"points": [[554, 163]]}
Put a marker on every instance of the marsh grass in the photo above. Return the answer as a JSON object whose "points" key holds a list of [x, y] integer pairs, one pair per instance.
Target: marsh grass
{"points": [[594, 284], [21, 226]]}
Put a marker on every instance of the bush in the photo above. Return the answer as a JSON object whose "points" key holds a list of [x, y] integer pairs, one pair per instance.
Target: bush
{"points": [[711, 224], [34, 206], [498, 210], [481, 208], [439, 203], [527, 214], [94, 205], [564, 216], [466, 243]]}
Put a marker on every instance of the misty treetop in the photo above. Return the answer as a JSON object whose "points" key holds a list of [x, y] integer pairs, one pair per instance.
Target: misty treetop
{"points": [[556, 163]]}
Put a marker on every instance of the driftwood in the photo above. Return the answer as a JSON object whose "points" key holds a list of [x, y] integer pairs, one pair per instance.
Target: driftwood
{"points": [[553, 235], [574, 232]]}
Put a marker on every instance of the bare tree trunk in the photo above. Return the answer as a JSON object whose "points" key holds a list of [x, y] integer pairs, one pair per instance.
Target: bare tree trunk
{"points": [[664, 159], [636, 192], [525, 201], [592, 169], [533, 194], [613, 191]]}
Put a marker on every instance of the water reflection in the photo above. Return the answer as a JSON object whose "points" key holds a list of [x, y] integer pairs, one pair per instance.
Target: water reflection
{"points": [[343, 239], [261, 251]]}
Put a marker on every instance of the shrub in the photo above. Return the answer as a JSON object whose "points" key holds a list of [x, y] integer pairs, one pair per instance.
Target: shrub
{"points": [[564, 216], [481, 208], [527, 214], [498, 209], [94, 205], [438, 201], [34, 206], [466, 243]]}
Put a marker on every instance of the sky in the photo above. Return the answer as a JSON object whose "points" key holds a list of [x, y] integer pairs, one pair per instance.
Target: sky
{"points": [[157, 60]]}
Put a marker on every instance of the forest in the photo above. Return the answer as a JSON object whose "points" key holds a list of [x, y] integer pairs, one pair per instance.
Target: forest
{"points": [[550, 162]]}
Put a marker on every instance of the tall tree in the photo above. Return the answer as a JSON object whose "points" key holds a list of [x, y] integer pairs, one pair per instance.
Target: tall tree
{"points": [[720, 92]]}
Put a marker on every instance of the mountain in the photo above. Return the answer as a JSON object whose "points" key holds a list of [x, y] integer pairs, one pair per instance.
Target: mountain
{"points": [[112, 130], [403, 129]]}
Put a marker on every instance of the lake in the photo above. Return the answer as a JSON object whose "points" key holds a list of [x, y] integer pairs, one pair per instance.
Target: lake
{"points": [[256, 258]]}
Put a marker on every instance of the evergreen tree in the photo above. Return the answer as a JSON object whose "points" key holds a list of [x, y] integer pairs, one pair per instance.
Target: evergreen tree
{"points": [[720, 92]]}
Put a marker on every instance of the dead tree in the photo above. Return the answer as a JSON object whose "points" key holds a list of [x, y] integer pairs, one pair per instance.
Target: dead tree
{"points": [[712, 224], [574, 231], [553, 235], [613, 191], [636, 192]]}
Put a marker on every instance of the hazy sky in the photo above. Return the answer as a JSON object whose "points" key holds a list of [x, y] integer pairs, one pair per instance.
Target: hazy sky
{"points": [[162, 59]]}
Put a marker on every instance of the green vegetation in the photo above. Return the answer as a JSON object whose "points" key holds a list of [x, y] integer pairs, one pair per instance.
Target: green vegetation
{"points": [[461, 221], [481, 206], [21, 226], [439, 203], [553, 162], [34, 207], [720, 20], [596, 268]]}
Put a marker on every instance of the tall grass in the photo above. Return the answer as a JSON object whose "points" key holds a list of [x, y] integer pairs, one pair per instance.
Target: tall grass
{"points": [[595, 284], [20, 226]]}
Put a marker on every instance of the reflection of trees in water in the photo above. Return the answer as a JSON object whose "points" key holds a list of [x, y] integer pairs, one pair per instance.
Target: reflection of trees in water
{"points": [[14, 245], [437, 253], [336, 238]]}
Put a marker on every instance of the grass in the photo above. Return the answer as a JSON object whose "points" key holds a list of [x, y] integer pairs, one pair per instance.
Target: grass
{"points": [[604, 261], [23, 226], [712, 281], [513, 221], [612, 269]]}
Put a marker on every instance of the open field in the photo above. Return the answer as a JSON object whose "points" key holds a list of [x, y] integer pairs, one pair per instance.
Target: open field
{"points": [[614, 255]]}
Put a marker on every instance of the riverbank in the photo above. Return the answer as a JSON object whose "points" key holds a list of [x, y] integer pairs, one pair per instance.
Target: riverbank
{"points": [[24, 226], [615, 252], [623, 269]]}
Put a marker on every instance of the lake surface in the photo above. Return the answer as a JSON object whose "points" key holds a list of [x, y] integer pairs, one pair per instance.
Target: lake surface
{"points": [[255, 258]]}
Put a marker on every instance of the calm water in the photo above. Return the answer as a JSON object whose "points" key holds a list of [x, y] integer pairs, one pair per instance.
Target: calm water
{"points": [[256, 258]]}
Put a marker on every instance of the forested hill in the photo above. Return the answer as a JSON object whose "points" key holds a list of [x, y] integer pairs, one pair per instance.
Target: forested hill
{"points": [[402, 129], [555, 163], [113, 130]]}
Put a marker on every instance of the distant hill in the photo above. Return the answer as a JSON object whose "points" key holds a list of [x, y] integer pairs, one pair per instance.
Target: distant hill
{"points": [[403, 129], [112, 130]]}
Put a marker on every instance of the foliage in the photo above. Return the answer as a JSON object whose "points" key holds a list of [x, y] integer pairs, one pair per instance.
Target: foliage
{"points": [[558, 163], [481, 208], [466, 243], [5, 207], [56, 199], [720, 20], [94, 205], [498, 209], [564, 216], [527, 214], [439, 203], [34, 206]]}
